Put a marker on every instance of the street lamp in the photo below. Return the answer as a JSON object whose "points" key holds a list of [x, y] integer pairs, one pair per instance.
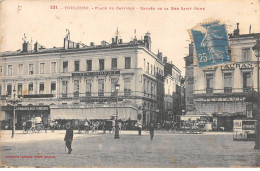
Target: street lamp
{"points": [[117, 86], [13, 102], [256, 48]]}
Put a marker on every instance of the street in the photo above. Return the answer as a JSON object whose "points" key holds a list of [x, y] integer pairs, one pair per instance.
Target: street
{"points": [[210, 149]]}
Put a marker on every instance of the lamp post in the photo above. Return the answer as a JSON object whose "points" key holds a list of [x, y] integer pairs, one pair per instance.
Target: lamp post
{"points": [[116, 124], [256, 48], [13, 102]]}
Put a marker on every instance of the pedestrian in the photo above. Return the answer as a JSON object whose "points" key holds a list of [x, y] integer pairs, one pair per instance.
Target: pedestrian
{"points": [[69, 136], [139, 127], [151, 129]]}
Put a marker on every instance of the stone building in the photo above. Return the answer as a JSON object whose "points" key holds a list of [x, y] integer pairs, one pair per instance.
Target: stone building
{"points": [[220, 91], [77, 81]]}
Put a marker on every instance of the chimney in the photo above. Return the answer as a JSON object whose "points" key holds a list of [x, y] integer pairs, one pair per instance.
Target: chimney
{"points": [[103, 43], [92, 44], [165, 59], [147, 40], [190, 49], [159, 55], [27, 47], [120, 41], [113, 41], [236, 31]]}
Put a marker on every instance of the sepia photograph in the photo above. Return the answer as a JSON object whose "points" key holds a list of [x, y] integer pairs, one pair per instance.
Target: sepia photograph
{"points": [[129, 84]]}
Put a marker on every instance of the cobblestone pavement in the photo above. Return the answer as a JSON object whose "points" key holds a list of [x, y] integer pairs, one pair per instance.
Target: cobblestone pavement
{"points": [[131, 150]]}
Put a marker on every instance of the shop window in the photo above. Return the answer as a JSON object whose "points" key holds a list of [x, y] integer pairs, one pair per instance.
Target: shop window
{"points": [[65, 66], [89, 65], [114, 63], [113, 86]]}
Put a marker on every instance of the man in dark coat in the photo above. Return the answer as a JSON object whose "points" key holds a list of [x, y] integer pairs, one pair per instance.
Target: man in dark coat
{"points": [[69, 137], [151, 129]]}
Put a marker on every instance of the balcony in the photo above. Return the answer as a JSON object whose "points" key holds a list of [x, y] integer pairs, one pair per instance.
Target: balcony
{"points": [[76, 94], [127, 92], [38, 96], [64, 95], [246, 89], [209, 90], [227, 89], [100, 93], [88, 94]]}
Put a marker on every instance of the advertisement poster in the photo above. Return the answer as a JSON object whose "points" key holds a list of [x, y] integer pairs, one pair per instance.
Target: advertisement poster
{"points": [[128, 84]]}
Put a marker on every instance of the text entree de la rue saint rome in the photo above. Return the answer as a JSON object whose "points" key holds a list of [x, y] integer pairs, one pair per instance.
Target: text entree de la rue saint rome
{"points": [[135, 8]]}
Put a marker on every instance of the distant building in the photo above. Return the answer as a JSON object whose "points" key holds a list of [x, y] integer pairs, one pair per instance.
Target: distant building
{"points": [[189, 81], [220, 91], [172, 85], [77, 81]]}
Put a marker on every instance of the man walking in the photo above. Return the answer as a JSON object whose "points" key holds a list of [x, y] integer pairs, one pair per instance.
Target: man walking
{"points": [[151, 129], [69, 136]]}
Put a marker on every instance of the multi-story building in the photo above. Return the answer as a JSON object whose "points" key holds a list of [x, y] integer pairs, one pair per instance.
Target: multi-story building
{"points": [[172, 85], [189, 81], [78, 81], [220, 91]]}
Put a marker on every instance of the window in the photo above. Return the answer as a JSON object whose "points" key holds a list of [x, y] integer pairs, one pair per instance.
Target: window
{"points": [[144, 64], [227, 82], [113, 85], [0, 89], [30, 69], [41, 88], [30, 88], [151, 69], [154, 72], [9, 89], [89, 65], [127, 83], [114, 63], [88, 87], [247, 81], [53, 67], [20, 89], [144, 85], [42, 66], [20, 69], [1, 70], [152, 89], [209, 83], [127, 62], [147, 88], [76, 65], [64, 88], [53, 88], [101, 87], [10, 70], [246, 55], [101, 64], [76, 88], [65, 66], [148, 67]]}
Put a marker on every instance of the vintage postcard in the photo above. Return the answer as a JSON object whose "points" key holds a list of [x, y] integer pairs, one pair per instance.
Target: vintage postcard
{"points": [[129, 84]]}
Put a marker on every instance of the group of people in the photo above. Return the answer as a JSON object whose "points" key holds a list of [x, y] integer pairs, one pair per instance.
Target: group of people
{"points": [[69, 135]]}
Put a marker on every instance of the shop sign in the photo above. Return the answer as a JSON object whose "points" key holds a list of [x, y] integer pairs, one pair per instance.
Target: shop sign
{"points": [[30, 108], [117, 72]]}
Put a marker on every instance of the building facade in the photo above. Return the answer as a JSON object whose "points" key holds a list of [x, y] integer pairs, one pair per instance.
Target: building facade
{"points": [[189, 81], [220, 91], [78, 82]]}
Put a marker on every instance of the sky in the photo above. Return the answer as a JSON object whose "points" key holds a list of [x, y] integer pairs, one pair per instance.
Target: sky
{"points": [[168, 28]]}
